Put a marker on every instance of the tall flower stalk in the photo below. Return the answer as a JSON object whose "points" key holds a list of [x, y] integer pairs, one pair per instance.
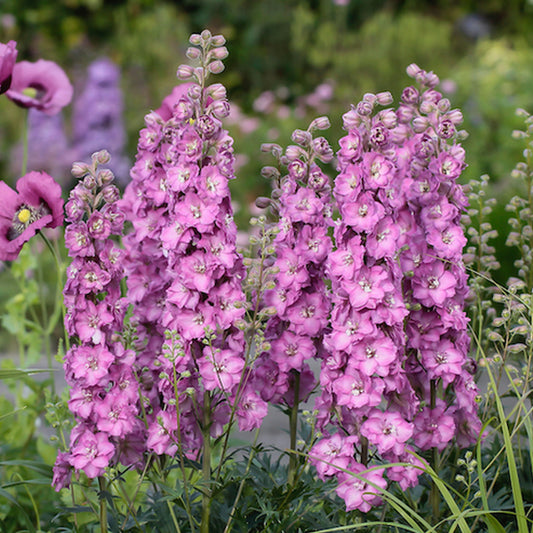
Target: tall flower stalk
{"points": [[185, 275], [397, 375], [98, 367], [299, 298]]}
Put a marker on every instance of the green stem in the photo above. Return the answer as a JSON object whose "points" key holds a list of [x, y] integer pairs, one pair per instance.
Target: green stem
{"points": [[103, 505], [435, 494], [229, 525], [206, 465], [293, 426]]}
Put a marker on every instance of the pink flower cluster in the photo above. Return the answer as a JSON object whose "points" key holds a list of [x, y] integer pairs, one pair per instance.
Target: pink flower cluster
{"points": [[98, 366], [185, 276], [396, 376], [300, 297]]}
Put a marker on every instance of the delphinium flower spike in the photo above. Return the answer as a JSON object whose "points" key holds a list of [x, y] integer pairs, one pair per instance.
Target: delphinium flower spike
{"points": [[397, 374], [98, 367], [185, 274], [300, 297]]}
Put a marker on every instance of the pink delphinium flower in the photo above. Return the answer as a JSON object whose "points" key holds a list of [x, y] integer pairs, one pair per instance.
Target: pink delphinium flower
{"points": [[97, 366], [36, 204], [185, 272], [91, 453], [42, 85], [300, 296]]}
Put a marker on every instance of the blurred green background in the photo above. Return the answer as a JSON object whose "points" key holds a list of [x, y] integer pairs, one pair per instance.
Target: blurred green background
{"points": [[293, 60]]}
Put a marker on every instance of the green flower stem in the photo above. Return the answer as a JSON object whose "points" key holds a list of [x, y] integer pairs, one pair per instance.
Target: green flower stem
{"points": [[434, 494], [206, 465], [293, 426], [103, 505], [59, 308]]}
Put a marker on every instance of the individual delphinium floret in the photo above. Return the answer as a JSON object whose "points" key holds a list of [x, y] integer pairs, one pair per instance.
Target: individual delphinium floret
{"points": [[98, 367], [185, 275]]}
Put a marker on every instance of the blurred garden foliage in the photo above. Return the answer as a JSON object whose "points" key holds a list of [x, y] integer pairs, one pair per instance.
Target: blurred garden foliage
{"points": [[292, 60]]}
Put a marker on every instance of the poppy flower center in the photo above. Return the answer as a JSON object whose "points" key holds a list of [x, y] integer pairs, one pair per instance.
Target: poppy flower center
{"points": [[24, 215]]}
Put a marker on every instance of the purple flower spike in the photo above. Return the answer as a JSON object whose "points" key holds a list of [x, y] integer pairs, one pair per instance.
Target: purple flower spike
{"points": [[42, 85], [8, 56], [37, 204]]}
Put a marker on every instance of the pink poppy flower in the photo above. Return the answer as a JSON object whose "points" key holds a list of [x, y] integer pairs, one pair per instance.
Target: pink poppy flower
{"points": [[8, 56], [42, 85], [35, 205]]}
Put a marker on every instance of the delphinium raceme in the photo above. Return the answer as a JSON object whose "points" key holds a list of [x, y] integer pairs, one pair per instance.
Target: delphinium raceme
{"points": [[185, 276], [397, 373], [98, 367], [436, 287], [363, 370], [299, 299]]}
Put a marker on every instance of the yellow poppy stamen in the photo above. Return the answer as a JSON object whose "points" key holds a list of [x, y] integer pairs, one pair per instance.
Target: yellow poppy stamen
{"points": [[24, 215]]}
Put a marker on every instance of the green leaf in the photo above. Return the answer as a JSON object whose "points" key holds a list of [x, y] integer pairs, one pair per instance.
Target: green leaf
{"points": [[493, 525], [15, 373]]}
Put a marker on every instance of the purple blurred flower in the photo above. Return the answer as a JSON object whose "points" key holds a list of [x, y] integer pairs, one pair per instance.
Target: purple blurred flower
{"points": [[36, 204], [42, 85], [8, 56], [97, 120]]}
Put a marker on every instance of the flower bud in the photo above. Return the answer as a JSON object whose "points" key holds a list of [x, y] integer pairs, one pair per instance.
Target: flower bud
{"points": [[89, 182], [410, 95], [215, 67], [293, 152], [218, 40], [351, 119], [269, 172], [79, 169], [219, 53], [420, 124], [388, 118], [384, 98], [262, 202], [111, 194], [102, 157], [185, 72], [205, 36], [274, 148], [193, 52], [194, 92], [443, 105], [320, 123], [364, 108], [455, 116], [303, 138], [195, 39], [431, 80], [216, 91], [413, 70], [105, 176], [427, 107], [220, 109]]}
